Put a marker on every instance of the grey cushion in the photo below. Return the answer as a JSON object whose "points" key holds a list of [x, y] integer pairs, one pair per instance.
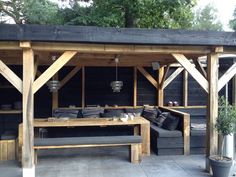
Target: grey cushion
{"points": [[113, 112], [92, 112], [72, 113], [87, 140], [165, 133], [170, 123], [161, 118]]}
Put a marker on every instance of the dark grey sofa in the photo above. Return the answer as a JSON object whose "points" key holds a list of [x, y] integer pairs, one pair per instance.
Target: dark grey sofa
{"points": [[175, 142]]}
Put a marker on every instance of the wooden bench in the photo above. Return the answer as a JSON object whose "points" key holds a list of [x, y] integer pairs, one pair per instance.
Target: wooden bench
{"points": [[99, 141]]}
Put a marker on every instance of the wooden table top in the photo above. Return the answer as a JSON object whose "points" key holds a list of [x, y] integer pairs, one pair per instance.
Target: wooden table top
{"points": [[57, 122]]}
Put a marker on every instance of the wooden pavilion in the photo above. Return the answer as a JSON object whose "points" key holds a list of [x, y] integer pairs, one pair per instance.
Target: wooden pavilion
{"points": [[33, 45]]}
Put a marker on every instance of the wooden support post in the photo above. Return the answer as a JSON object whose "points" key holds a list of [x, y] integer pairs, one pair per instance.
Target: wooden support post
{"points": [[148, 76], [28, 112], [135, 88], [185, 89], [212, 106], [83, 87], [160, 89], [55, 95]]}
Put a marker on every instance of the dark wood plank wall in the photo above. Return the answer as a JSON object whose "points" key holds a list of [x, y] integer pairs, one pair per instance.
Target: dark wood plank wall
{"points": [[70, 93], [174, 91], [146, 92], [99, 92]]}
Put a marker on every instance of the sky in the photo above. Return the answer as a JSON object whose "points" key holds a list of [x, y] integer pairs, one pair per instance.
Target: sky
{"points": [[225, 10]]}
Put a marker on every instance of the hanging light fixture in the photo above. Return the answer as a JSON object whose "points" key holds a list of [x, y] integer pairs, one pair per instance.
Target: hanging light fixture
{"points": [[53, 85], [116, 85]]}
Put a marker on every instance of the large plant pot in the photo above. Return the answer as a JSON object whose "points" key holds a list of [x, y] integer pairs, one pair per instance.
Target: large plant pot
{"points": [[220, 168]]}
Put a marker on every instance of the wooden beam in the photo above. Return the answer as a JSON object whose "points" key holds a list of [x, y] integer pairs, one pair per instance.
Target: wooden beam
{"points": [[148, 76], [55, 95], [122, 49], [36, 63], [9, 45], [160, 90], [229, 74], [164, 77], [11, 76], [28, 110], [25, 44], [185, 89], [135, 88], [83, 87], [212, 107], [70, 75], [55, 67], [192, 70], [200, 68], [172, 77]]}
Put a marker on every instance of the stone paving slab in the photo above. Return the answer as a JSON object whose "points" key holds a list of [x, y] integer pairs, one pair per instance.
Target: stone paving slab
{"points": [[109, 162]]}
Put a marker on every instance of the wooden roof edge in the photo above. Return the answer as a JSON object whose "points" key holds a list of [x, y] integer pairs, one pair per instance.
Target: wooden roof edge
{"points": [[109, 35]]}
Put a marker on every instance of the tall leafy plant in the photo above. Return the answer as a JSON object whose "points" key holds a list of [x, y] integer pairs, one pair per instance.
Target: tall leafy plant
{"points": [[225, 123]]}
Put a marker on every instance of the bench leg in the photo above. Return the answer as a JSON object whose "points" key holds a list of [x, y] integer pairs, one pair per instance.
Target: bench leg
{"points": [[135, 153], [35, 157]]}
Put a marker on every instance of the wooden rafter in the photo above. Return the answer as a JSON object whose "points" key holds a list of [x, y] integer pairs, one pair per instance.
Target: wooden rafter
{"points": [[70, 75], [164, 77], [11, 76], [172, 77], [192, 70], [148, 76], [54, 68], [200, 68], [160, 90], [229, 74]]}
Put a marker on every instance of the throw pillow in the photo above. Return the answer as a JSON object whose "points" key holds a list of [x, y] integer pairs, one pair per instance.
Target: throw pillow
{"points": [[161, 118], [150, 114], [170, 123]]}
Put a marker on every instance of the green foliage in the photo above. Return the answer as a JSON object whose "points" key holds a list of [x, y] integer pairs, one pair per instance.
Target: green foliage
{"points": [[132, 13], [41, 12], [226, 120], [206, 19], [232, 23]]}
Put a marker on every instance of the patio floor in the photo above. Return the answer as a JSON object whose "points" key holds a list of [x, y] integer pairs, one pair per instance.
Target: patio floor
{"points": [[109, 162]]}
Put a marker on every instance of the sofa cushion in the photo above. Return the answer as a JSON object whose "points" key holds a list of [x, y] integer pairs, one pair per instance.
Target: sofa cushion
{"points": [[92, 112], [114, 112], [170, 123], [161, 118], [71, 113], [150, 114], [160, 132]]}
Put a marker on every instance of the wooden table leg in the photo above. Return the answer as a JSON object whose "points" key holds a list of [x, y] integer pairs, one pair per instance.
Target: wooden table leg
{"points": [[145, 133]]}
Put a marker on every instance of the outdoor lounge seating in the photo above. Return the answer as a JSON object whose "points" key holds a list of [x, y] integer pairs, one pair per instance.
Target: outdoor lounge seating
{"points": [[76, 142], [163, 141]]}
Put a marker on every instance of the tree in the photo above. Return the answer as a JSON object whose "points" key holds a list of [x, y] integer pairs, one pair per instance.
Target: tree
{"points": [[132, 13], [206, 19], [232, 23], [35, 12], [12, 8]]}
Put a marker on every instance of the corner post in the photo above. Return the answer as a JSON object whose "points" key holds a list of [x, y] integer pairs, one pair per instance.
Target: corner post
{"points": [[28, 110], [212, 106]]}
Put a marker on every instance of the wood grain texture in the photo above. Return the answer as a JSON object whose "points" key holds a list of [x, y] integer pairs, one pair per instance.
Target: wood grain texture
{"points": [[7, 150], [185, 89], [11, 76], [55, 95], [192, 70], [199, 67], [28, 109], [212, 107], [83, 88], [160, 90], [54, 68]]}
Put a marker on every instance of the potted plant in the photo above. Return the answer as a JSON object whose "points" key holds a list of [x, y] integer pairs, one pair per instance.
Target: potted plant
{"points": [[225, 125]]}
